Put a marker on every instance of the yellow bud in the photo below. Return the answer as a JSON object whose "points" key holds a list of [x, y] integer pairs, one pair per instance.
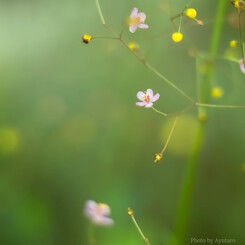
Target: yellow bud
{"points": [[217, 93], [158, 157], [233, 44], [132, 46], [191, 13], [86, 39], [177, 37], [130, 212]]}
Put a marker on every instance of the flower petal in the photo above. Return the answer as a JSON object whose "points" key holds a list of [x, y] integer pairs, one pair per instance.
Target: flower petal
{"points": [[242, 66], [149, 92], [142, 17], [134, 13], [102, 220], [103, 209], [140, 95], [155, 97], [140, 103], [133, 28], [149, 105], [143, 26], [90, 208]]}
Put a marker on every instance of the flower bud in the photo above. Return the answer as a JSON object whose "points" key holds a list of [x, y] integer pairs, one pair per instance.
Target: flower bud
{"points": [[158, 157], [86, 39]]}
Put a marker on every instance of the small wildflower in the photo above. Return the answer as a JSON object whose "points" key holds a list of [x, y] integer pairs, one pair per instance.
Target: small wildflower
{"points": [[217, 93], [86, 39], [130, 212], [98, 213], [191, 13], [147, 98], [137, 21], [200, 22], [133, 46], [233, 44], [158, 157], [177, 37], [242, 66]]}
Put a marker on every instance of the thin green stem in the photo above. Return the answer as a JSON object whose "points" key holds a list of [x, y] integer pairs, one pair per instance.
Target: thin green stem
{"points": [[174, 114], [115, 38], [159, 112], [100, 12], [140, 231], [170, 135], [240, 35], [221, 106], [168, 82], [180, 22]]}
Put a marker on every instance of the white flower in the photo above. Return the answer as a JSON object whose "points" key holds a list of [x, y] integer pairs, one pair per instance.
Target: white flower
{"points": [[147, 98], [137, 21], [242, 66], [98, 213]]}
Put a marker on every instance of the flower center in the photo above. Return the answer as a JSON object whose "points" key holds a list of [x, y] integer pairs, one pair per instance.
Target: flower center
{"points": [[136, 21], [147, 98], [100, 208]]}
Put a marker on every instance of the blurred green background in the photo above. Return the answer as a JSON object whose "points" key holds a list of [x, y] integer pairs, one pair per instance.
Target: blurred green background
{"points": [[70, 130]]}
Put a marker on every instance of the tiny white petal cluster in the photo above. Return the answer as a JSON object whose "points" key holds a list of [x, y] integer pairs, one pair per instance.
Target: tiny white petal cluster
{"points": [[137, 21], [147, 98]]}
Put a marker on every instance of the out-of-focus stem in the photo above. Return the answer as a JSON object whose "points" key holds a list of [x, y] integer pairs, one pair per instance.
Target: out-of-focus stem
{"points": [[240, 35], [189, 178]]}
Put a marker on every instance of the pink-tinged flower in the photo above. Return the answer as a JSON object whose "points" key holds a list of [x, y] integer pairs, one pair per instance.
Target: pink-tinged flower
{"points": [[98, 213], [147, 98], [137, 21], [242, 66]]}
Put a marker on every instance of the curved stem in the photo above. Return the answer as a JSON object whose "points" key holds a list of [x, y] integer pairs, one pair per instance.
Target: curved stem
{"points": [[170, 135]]}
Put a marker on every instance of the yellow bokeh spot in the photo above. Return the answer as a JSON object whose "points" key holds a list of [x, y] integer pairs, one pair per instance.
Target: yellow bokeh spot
{"points": [[9, 140], [133, 46], [181, 142], [191, 13], [217, 93], [233, 44], [177, 37]]}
